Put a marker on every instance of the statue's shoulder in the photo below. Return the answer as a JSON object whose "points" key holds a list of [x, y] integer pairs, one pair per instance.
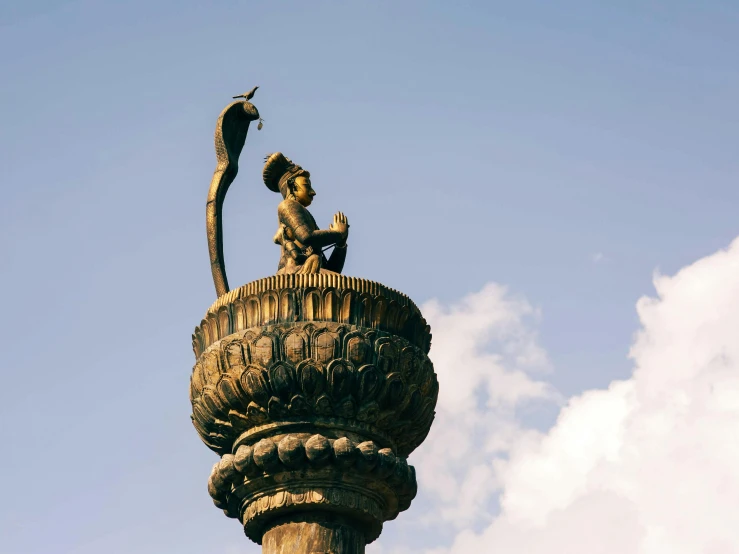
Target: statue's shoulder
{"points": [[290, 206], [293, 212]]}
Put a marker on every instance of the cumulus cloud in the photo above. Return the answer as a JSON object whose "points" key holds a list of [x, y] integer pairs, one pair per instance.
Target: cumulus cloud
{"points": [[648, 465], [487, 353]]}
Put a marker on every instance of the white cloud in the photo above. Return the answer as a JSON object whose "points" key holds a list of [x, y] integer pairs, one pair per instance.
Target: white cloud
{"points": [[649, 465], [485, 354]]}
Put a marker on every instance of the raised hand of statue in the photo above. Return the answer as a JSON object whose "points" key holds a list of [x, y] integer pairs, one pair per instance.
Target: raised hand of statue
{"points": [[340, 224]]}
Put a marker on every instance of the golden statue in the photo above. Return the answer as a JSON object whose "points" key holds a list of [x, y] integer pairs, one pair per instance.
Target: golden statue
{"points": [[302, 243], [312, 387]]}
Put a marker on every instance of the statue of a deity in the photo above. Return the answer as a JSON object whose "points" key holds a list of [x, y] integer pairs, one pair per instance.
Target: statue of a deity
{"points": [[301, 241]]}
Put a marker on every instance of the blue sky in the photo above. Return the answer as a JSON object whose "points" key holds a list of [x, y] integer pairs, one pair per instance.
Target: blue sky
{"points": [[564, 150]]}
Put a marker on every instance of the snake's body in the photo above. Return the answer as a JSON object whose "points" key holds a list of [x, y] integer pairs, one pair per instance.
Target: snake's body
{"points": [[231, 129]]}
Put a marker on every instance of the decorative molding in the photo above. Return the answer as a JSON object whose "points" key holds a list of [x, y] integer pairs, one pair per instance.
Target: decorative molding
{"points": [[284, 299], [271, 477], [313, 371], [364, 509], [326, 279]]}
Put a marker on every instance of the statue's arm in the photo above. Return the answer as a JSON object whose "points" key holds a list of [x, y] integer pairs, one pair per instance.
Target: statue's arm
{"points": [[294, 216], [337, 259], [319, 238], [290, 247], [294, 252]]}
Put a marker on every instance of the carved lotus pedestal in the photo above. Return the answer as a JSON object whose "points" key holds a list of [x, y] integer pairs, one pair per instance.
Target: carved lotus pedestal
{"points": [[313, 389]]}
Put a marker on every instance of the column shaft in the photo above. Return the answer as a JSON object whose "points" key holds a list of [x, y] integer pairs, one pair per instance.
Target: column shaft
{"points": [[312, 538]]}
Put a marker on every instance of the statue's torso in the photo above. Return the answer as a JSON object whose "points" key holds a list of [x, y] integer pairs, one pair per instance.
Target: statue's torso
{"points": [[291, 216]]}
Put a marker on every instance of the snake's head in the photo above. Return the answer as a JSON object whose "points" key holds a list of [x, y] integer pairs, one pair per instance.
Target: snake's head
{"points": [[250, 110]]}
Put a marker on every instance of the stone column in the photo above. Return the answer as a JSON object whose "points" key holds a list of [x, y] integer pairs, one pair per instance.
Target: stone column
{"points": [[313, 389]]}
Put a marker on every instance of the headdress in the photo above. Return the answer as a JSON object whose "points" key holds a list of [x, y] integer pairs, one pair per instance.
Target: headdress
{"points": [[278, 170]]}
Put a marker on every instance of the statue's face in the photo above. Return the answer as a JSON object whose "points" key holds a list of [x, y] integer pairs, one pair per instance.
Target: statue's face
{"points": [[304, 193]]}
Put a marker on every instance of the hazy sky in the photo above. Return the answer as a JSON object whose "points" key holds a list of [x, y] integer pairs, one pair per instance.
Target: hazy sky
{"points": [[563, 150]]}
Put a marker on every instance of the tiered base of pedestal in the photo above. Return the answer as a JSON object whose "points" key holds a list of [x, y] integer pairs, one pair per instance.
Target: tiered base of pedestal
{"points": [[313, 389], [300, 475]]}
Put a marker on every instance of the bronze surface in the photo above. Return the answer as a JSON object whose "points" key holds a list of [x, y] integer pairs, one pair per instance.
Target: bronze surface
{"points": [[313, 387]]}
